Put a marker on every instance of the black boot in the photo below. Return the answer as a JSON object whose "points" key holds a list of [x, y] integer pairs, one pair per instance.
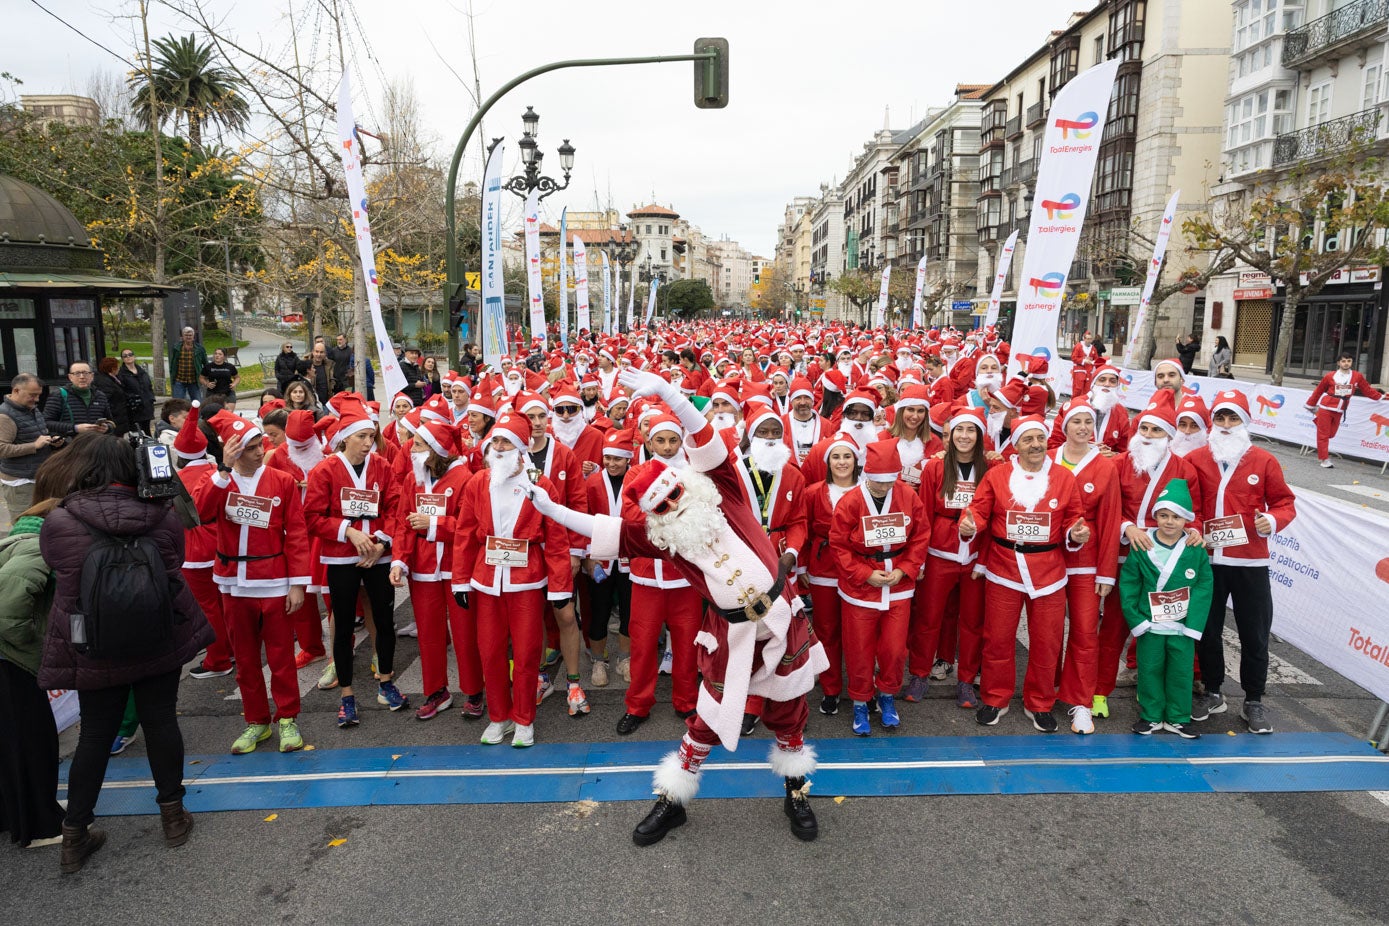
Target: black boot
{"points": [[78, 843], [797, 807], [663, 818]]}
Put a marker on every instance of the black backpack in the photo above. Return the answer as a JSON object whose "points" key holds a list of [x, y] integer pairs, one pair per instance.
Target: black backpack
{"points": [[125, 604]]}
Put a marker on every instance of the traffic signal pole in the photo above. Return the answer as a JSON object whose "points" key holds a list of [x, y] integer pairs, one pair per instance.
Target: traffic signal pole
{"points": [[710, 92]]}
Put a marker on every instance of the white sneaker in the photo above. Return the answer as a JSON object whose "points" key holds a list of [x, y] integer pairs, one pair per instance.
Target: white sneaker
{"points": [[1327, 464], [940, 670], [496, 732], [409, 630], [600, 673], [666, 662], [624, 669], [525, 736], [1081, 721], [1127, 678]]}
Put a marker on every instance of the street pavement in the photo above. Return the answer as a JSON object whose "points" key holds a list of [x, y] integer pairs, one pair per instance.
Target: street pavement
{"points": [[1256, 854]]}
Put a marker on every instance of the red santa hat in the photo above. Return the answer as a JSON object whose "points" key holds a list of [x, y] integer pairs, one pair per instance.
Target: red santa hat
{"points": [[728, 391], [483, 403], [190, 443], [515, 428], [529, 402], [1232, 400], [913, 396], [437, 408], [400, 395], [882, 462], [1077, 407], [344, 402], [350, 423], [1173, 363], [862, 397], [619, 443], [664, 422], [268, 407], [410, 424], [229, 424], [835, 381], [442, 438], [1037, 366], [1194, 407], [1025, 424], [1105, 369], [565, 395], [843, 440], [967, 415], [1012, 393], [654, 484], [300, 427], [800, 386], [755, 413], [1161, 411]]}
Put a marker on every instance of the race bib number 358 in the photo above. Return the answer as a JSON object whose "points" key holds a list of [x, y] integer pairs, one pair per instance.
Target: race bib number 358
{"points": [[885, 529]]}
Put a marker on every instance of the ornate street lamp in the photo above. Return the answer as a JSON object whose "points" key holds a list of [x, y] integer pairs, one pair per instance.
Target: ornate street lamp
{"points": [[532, 158]]}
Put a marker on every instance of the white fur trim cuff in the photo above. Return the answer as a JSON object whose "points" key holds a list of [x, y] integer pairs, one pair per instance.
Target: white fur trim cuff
{"points": [[788, 763], [671, 780], [607, 537], [707, 640]]}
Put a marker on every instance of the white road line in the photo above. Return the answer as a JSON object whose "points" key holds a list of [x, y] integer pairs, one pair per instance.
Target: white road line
{"points": [[1381, 796], [1366, 491]]}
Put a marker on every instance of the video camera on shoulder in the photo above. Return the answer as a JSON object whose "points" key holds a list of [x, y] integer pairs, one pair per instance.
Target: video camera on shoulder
{"points": [[157, 478]]}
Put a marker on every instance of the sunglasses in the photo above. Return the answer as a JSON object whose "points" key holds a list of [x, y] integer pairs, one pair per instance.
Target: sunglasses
{"points": [[669, 502], [567, 410], [127, 356]]}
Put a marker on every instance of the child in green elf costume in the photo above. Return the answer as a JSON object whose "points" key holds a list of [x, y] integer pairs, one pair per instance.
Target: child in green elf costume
{"points": [[1166, 594]]}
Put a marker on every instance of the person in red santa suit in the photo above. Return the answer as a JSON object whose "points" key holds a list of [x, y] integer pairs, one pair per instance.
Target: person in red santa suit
{"points": [[804, 428], [1244, 501], [772, 484], [1112, 426], [351, 507], [200, 547], [1028, 509], [856, 421], [610, 584], [910, 432], [262, 570], [1330, 401], [1193, 425], [582, 439], [940, 388], [946, 490], [509, 558], [1084, 359], [755, 639], [1143, 470], [845, 471], [879, 542], [661, 595], [296, 457], [422, 553], [1092, 570]]}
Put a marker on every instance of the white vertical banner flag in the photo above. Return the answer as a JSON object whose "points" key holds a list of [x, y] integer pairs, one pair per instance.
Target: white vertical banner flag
{"points": [[607, 294], [880, 311], [920, 288], [1070, 148], [1154, 265], [631, 296], [350, 148], [1005, 260], [564, 277], [533, 285], [651, 300], [581, 286], [493, 324]]}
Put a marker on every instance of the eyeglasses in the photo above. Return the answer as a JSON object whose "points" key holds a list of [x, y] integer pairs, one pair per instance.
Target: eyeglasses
{"points": [[669, 501], [567, 410], [79, 372], [127, 356]]}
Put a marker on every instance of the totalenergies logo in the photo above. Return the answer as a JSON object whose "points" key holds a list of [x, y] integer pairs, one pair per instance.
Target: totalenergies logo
{"points": [[1043, 352], [1269, 405], [1061, 208], [1381, 424], [1048, 285], [1079, 127]]}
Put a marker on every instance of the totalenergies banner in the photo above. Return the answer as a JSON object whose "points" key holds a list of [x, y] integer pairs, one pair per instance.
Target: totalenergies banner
{"points": [[1069, 151], [533, 284], [1154, 268], [581, 284], [494, 345]]}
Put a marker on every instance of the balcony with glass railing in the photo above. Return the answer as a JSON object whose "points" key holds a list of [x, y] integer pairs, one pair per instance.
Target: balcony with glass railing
{"points": [[1326, 138], [1353, 26]]}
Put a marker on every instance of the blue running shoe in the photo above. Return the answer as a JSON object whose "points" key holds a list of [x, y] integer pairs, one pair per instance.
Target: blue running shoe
{"points": [[390, 696], [347, 712], [888, 706], [861, 727]]}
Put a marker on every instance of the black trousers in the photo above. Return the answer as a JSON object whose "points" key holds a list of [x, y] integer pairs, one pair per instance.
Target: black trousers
{"points": [[1251, 598], [616, 589], [344, 582], [29, 807], [102, 709]]}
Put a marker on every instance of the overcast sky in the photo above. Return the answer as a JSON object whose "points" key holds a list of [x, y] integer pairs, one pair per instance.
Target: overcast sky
{"points": [[810, 81]]}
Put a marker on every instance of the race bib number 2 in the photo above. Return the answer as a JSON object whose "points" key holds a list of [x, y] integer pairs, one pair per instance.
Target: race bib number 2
{"points": [[249, 510], [888, 530], [503, 551], [1028, 526]]}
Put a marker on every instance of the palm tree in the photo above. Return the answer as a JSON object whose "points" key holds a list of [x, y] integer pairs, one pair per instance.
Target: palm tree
{"points": [[185, 82]]}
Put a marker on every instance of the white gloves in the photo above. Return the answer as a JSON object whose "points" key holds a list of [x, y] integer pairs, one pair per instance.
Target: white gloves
{"points": [[541, 500], [642, 383]]}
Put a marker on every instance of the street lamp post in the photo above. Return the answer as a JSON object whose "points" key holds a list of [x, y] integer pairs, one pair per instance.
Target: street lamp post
{"points": [[532, 158], [231, 311], [623, 252]]}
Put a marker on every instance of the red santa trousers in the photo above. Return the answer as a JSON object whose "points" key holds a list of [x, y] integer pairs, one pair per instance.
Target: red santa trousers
{"points": [[209, 598], [516, 618], [935, 630], [1328, 423], [682, 611], [255, 622], [1046, 625], [827, 621], [438, 618], [1081, 665], [871, 636], [308, 626], [785, 719], [1080, 381]]}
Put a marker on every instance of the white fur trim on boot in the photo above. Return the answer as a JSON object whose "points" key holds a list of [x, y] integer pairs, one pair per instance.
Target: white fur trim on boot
{"points": [[671, 779], [792, 764]]}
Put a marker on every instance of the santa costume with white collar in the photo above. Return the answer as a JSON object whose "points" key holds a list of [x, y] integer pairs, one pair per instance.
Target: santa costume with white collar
{"points": [[755, 639]]}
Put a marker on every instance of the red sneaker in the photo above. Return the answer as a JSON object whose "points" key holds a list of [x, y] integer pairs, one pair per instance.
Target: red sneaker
{"points": [[441, 700], [305, 658]]}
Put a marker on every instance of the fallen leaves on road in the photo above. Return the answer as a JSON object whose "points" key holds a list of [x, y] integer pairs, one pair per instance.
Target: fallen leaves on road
{"points": [[334, 843], [840, 800], [272, 818]]}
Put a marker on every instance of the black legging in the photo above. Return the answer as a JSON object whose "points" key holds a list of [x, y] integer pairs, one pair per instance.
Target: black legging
{"points": [[156, 699], [616, 588], [28, 758], [344, 579]]}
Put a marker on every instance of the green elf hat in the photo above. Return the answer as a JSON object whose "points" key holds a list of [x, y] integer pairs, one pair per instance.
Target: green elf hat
{"points": [[1175, 497]]}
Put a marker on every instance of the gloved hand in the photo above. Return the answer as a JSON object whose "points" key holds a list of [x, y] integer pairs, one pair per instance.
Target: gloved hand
{"points": [[461, 598], [642, 383], [541, 500]]}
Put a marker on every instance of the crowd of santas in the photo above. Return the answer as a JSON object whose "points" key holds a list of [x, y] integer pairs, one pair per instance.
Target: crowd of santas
{"points": [[927, 501]]}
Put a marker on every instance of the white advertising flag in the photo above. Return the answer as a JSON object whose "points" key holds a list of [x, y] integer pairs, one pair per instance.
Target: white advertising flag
{"points": [[1154, 265], [1070, 148], [880, 312], [607, 294], [494, 346], [564, 277], [651, 300], [631, 298], [581, 285], [350, 148], [533, 285], [920, 288], [1005, 260]]}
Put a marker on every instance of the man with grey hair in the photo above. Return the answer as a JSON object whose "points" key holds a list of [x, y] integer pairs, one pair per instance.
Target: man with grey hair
{"points": [[24, 442], [186, 361]]}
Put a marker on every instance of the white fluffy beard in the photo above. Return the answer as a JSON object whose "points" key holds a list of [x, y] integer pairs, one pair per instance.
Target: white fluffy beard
{"points": [[988, 382], [695, 524], [568, 429], [845, 366], [722, 420], [1229, 444], [502, 465], [1146, 454], [1183, 443], [1027, 488], [418, 459], [862, 432], [1103, 400], [995, 425], [679, 462], [304, 454], [769, 456], [911, 452], [512, 384]]}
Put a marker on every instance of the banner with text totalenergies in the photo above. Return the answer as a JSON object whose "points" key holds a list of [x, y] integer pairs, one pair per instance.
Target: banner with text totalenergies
{"points": [[564, 278], [651, 300], [1005, 260], [1154, 267], [607, 294], [880, 311], [920, 289], [494, 346], [581, 285], [350, 148], [533, 283], [1069, 151]]}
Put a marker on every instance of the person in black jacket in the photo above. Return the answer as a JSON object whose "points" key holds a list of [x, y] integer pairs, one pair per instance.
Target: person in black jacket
{"points": [[344, 362], [139, 391], [109, 384], [78, 406], [1187, 348], [286, 363]]}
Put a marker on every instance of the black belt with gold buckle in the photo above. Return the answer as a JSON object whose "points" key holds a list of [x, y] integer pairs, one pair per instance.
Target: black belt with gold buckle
{"points": [[760, 606]]}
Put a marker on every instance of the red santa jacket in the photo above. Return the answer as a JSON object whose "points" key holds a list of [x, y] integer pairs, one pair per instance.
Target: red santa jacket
{"points": [[781, 512], [1035, 573], [1113, 433], [817, 562], [858, 555], [1334, 396], [1138, 493], [802, 435], [1102, 507], [337, 498], [547, 543], [1254, 484], [262, 543], [651, 571], [588, 448], [941, 390], [943, 514], [426, 554], [1084, 355], [199, 543]]}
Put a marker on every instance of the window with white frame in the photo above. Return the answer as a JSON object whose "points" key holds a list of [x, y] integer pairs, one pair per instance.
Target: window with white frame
{"points": [[1370, 96], [1319, 103], [1255, 20]]}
